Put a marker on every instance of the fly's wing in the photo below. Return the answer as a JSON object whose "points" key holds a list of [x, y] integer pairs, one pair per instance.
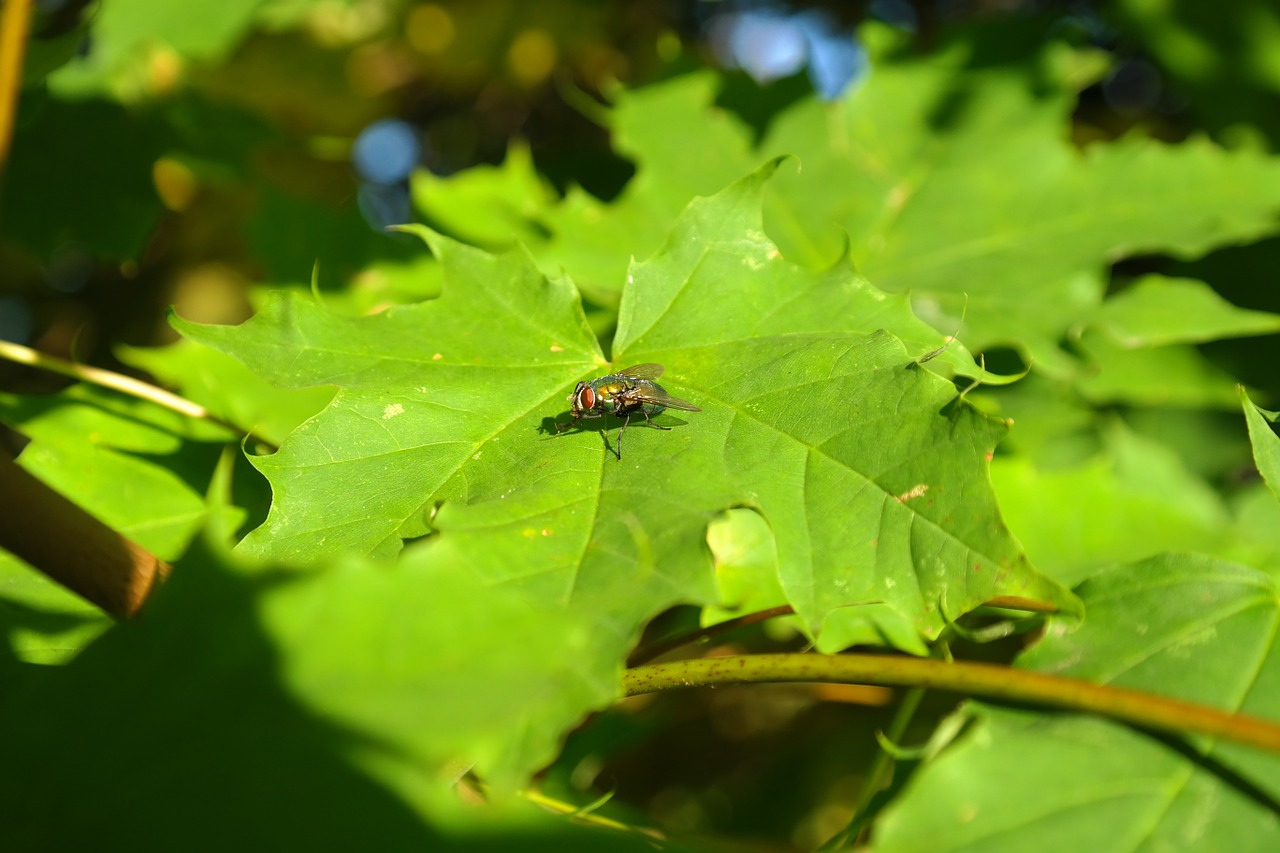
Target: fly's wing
{"points": [[659, 397], [650, 370]]}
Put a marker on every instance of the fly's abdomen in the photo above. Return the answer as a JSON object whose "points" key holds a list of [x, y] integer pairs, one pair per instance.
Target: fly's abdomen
{"points": [[649, 388]]}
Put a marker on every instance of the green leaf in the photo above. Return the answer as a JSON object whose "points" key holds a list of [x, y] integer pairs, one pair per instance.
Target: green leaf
{"points": [[1044, 413], [227, 389], [1256, 514], [955, 179], [424, 388], [951, 176], [369, 646], [41, 621], [492, 206], [1190, 627], [1210, 442], [1155, 310], [746, 566], [1133, 499], [1266, 445], [1173, 375], [127, 462], [593, 240], [126, 30], [871, 474]]}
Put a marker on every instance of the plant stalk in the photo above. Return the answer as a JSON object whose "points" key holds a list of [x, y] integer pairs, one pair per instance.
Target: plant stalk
{"points": [[976, 679], [118, 382]]}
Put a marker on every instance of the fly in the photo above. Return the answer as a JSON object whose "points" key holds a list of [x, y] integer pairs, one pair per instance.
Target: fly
{"points": [[630, 391]]}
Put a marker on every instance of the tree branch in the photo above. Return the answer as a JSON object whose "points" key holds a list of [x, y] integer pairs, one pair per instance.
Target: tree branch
{"points": [[72, 547]]}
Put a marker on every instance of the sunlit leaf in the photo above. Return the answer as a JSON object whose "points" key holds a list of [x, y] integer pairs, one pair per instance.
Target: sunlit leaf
{"points": [[916, 168], [227, 389], [1155, 310], [1266, 445], [871, 474]]}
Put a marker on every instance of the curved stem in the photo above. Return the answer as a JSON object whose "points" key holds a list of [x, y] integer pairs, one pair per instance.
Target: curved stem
{"points": [[658, 648], [878, 772], [975, 679]]}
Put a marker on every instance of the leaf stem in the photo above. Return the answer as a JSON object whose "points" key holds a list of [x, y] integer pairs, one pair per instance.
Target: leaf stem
{"points": [[878, 772], [587, 814], [977, 679], [658, 648], [117, 382]]}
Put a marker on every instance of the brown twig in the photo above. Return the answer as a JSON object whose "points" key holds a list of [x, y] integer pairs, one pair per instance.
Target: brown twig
{"points": [[72, 547], [15, 21]]}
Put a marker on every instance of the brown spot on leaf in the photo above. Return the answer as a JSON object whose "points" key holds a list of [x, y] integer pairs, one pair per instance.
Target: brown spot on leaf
{"points": [[914, 492]]}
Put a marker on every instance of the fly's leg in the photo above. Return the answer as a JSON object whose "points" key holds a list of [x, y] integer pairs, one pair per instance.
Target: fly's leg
{"points": [[562, 427], [626, 420], [575, 420], [650, 422]]}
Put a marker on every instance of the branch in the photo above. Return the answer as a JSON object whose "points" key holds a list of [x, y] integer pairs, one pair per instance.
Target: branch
{"points": [[15, 21], [976, 679], [69, 545]]}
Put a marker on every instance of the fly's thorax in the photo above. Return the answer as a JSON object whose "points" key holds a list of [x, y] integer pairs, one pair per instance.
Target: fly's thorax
{"points": [[611, 392]]}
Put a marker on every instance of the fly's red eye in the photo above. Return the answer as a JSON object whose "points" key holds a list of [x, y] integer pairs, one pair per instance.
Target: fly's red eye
{"points": [[587, 398]]}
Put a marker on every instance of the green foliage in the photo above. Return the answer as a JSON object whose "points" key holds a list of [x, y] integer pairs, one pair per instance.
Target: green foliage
{"points": [[1133, 497], [125, 32], [141, 469], [924, 382], [913, 171], [788, 368], [229, 390], [1266, 446], [283, 690], [1230, 90], [115, 219], [1184, 626], [1156, 311]]}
